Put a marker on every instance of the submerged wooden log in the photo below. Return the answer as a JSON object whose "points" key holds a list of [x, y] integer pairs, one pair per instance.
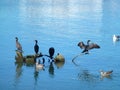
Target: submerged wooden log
{"points": [[19, 54], [59, 58], [28, 59], [19, 57]]}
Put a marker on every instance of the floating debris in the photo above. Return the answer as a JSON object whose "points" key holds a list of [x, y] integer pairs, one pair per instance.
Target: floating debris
{"points": [[59, 58]]}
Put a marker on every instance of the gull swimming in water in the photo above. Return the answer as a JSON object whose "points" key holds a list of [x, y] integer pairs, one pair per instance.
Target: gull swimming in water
{"points": [[116, 38], [88, 46], [105, 74]]}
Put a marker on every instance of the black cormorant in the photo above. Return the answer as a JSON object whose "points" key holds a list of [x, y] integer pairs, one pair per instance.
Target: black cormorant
{"points": [[36, 47], [51, 52], [88, 46]]}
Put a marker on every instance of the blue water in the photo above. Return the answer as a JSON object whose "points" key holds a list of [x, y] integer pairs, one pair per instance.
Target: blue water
{"points": [[60, 24]]}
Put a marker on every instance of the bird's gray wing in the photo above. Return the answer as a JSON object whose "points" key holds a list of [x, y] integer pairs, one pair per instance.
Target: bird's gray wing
{"points": [[109, 72], [93, 45]]}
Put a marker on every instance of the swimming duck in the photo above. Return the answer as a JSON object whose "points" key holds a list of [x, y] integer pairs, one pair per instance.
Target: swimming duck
{"points": [[39, 66], [88, 46], [18, 45], [36, 47], [105, 74], [116, 38]]}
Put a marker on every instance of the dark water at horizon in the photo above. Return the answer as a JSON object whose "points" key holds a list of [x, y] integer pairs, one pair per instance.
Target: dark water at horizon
{"points": [[60, 24]]}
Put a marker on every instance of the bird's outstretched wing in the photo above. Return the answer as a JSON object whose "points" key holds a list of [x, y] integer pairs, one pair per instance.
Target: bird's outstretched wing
{"points": [[93, 45]]}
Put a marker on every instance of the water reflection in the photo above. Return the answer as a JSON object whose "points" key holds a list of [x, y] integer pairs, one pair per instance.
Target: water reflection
{"points": [[85, 75], [44, 12], [19, 70], [103, 77], [59, 64], [51, 69], [36, 73], [58, 8]]}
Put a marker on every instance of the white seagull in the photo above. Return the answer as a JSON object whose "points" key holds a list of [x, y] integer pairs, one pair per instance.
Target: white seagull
{"points": [[105, 74], [116, 38]]}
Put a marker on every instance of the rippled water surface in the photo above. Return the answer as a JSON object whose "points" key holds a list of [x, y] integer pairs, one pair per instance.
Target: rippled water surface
{"points": [[60, 24]]}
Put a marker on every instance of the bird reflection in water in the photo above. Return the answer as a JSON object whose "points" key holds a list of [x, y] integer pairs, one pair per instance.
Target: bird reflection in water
{"points": [[51, 69], [38, 67], [103, 77], [18, 74], [86, 76], [19, 69], [36, 75]]}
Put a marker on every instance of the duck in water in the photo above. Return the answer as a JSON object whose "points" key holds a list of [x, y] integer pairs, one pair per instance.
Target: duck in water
{"points": [[39, 66], [105, 74]]}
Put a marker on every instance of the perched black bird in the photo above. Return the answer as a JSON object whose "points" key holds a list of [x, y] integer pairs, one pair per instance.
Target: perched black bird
{"points": [[36, 47], [51, 52], [18, 45], [88, 46]]}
